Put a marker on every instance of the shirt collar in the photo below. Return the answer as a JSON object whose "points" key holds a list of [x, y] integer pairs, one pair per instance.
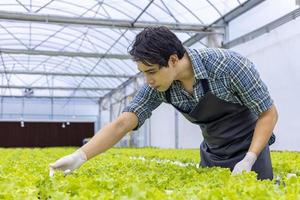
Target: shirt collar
{"points": [[197, 65]]}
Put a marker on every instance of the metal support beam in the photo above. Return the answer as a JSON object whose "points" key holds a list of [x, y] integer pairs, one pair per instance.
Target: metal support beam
{"points": [[221, 22], [110, 109], [124, 84], [52, 108], [110, 23], [51, 88], [264, 29], [65, 53], [47, 97], [23, 108], [99, 116], [192, 40], [42, 73], [238, 11], [1, 108]]}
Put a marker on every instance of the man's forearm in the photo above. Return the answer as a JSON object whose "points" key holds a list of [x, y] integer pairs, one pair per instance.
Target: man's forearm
{"points": [[263, 130], [109, 135]]}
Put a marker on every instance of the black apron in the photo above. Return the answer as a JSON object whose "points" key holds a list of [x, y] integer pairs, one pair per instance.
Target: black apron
{"points": [[227, 129]]}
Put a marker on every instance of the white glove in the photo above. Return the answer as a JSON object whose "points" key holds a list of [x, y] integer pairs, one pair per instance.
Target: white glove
{"points": [[69, 163], [245, 164]]}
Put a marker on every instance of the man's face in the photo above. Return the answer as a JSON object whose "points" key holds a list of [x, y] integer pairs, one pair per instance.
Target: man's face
{"points": [[157, 78]]}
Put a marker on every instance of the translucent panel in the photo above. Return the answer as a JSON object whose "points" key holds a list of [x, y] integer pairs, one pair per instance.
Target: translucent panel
{"points": [[188, 11], [160, 13], [84, 45], [80, 8], [123, 9], [243, 25], [10, 5], [224, 6], [71, 65]]}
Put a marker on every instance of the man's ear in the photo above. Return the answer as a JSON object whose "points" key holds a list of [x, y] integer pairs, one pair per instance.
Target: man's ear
{"points": [[173, 60]]}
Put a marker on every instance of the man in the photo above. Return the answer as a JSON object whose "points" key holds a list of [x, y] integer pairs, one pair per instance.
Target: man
{"points": [[217, 89]]}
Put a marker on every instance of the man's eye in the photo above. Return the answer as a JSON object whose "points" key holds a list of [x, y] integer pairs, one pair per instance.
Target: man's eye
{"points": [[152, 72]]}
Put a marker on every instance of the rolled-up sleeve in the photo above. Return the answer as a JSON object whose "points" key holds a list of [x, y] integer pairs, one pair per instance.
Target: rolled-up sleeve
{"points": [[143, 103], [247, 84]]}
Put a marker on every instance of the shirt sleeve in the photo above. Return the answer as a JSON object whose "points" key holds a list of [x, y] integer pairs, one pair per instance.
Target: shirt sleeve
{"points": [[247, 84], [143, 103]]}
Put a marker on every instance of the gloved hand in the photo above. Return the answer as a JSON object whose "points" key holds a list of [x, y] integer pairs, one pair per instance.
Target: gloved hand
{"points": [[245, 164], [69, 163]]}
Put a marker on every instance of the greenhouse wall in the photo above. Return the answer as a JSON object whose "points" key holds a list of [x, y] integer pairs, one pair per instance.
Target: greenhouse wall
{"points": [[40, 110], [189, 134], [276, 55], [163, 127]]}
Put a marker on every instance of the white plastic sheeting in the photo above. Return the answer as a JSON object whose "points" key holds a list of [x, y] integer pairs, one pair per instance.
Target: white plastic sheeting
{"points": [[276, 56], [44, 37], [41, 110]]}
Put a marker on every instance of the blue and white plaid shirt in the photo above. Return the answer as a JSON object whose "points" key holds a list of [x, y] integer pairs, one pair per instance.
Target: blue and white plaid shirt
{"points": [[231, 77]]}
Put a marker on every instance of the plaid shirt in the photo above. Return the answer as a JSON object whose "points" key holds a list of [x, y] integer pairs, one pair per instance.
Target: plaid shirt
{"points": [[231, 77]]}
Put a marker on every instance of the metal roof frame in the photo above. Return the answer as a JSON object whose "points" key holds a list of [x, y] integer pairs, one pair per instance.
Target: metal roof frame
{"points": [[48, 97], [264, 29], [44, 73], [54, 87], [71, 52], [109, 23], [223, 21], [65, 53]]}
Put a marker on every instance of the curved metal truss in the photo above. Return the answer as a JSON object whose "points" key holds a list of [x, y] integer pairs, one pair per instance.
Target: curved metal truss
{"points": [[76, 48]]}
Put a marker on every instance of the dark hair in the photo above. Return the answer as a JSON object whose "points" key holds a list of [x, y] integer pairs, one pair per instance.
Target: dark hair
{"points": [[155, 45]]}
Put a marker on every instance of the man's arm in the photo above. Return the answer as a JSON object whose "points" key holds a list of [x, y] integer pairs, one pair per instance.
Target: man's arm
{"points": [[110, 134], [247, 84], [132, 117], [103, 140], [253, 93], [263, 130]]}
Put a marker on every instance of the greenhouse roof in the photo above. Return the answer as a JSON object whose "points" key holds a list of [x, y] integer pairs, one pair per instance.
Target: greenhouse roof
{"points": [[78, 48]]}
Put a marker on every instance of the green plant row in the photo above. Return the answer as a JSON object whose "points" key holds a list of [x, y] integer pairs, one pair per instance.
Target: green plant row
{"points": [[24, 174]]}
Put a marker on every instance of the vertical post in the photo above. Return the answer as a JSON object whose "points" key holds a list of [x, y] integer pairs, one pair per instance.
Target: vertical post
{"points": [[176, 130], [23, 105], [110, 108], [226, 33], [99, 115], [51, 116], [1, 108], [52, 100], [129, 135], [2, 97], [214, 40]]}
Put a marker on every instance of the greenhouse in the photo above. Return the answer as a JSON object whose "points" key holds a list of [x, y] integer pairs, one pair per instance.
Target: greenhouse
{"points": [[149, 99]]}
